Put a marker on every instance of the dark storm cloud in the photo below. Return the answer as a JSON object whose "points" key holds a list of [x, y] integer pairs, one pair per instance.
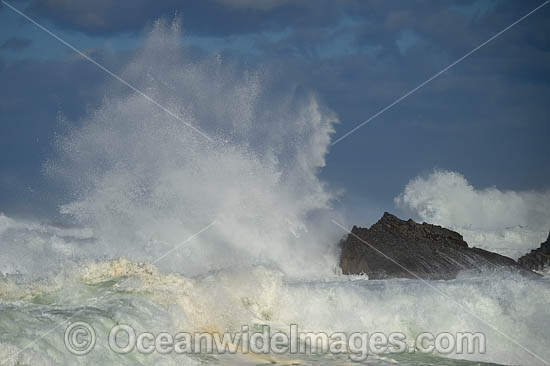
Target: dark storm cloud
{"points": [[486, 118], [225, 17], [15, 44], [201, 17]]}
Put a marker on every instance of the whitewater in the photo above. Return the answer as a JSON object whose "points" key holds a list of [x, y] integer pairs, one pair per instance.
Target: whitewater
{"points": [[169, 231]]}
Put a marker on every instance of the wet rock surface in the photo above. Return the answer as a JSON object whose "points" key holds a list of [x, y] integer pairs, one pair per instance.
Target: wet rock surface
{"points": [[394, 248], [538, 259]]}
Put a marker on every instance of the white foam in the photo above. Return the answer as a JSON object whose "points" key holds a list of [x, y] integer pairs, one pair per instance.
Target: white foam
{"points": [[508, 222], [145, 181], [32, 248]]}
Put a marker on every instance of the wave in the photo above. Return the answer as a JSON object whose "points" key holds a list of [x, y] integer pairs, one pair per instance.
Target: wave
{"points": [[140, 182], [507, 222], [121, 291], [145, 181]]}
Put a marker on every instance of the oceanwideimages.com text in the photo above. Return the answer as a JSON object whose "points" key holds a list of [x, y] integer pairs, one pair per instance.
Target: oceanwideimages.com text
{"points": [[80, 339]]}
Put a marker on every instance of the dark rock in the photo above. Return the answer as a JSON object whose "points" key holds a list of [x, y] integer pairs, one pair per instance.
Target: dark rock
{"points": [[538, 259], [406, 249]]}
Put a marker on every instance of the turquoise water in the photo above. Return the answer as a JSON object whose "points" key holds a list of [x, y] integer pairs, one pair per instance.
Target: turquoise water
{"points": [[240, 228], [34, 315]]}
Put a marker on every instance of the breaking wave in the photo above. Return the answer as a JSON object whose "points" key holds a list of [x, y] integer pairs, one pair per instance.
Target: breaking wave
{"points": [[107, 293], [507, 222], [141, 184], [145, 181]]}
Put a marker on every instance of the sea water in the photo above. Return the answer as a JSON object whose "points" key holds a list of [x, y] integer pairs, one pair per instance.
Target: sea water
{"points": [[212, 217]]}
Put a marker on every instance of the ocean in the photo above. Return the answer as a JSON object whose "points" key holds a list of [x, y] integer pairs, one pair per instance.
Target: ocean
{"points": [[213, 218], [35, 315]]}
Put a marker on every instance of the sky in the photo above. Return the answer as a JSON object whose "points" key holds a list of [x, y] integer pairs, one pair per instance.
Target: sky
{"points": [[487, 118]]}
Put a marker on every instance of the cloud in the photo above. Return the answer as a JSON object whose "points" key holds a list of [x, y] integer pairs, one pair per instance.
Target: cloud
{"points": [[491, 108], [227, 17], [254, 4], [98, 17], [15, 44], [206, 17], [509, 222]]}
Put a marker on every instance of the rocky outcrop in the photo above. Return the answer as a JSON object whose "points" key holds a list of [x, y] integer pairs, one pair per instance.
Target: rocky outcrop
{"points": [[538, 259], [394, 248]]}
